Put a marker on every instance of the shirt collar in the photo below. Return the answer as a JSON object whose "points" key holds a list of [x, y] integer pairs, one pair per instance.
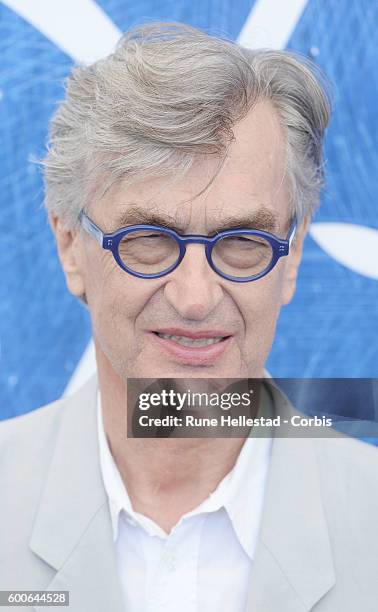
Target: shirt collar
{"points": [[240, 492]]}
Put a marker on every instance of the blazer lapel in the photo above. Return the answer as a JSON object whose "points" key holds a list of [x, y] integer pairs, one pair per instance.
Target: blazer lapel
{"points": [[72, 531], [293, 565], [90, 574]]}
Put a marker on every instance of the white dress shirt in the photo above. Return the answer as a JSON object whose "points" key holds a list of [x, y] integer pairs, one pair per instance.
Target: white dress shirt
{"points": [[205, 562]]}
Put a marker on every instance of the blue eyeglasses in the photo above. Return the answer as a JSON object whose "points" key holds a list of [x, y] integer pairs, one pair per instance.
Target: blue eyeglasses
{"points": [[150, 251]]}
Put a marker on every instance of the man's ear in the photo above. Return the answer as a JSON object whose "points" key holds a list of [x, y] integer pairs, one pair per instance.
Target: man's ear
{"points": [[292, 262], [70, 255]]}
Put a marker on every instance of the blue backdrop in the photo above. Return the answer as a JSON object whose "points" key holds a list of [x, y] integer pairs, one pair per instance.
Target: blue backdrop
{"points": [[329, 330]]}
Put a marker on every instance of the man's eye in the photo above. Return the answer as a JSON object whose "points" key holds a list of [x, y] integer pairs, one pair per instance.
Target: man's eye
{"points": [[153, 236], [140, 237], [248, 241]]}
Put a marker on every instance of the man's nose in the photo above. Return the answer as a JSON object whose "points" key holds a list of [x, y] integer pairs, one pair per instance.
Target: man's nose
{"points": [[193, 289]]}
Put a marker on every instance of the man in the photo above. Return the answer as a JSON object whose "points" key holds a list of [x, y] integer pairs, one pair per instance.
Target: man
{"points": [[180, 180]]}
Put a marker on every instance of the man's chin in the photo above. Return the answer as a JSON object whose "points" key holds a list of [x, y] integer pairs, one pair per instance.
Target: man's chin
{"points": [[180, 371]]}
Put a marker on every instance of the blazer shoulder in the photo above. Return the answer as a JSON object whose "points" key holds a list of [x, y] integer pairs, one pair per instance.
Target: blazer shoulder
{"points": [[40, 425], [348, 480], [30, 446], [348, 455], [348, 471], [22, 430], [28, 441], [27, 445]]}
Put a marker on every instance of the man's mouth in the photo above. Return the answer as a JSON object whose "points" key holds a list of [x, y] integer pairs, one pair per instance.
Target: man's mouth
{"points": [[202, 348], [185, 341]]}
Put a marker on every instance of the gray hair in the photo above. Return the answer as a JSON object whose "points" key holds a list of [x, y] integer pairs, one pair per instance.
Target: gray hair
{"points": [[170, 92]]}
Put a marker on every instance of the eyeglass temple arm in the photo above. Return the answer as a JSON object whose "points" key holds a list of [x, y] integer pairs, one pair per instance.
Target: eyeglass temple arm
{"points": [[91, 228]]}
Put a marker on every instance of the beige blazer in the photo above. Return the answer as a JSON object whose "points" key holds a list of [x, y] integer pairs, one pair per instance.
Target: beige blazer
{"points": [[317, 550]]}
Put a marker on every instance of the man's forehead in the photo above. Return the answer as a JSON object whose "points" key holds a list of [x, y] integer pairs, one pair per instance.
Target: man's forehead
{"points": [[216, 218], [249, 190]]}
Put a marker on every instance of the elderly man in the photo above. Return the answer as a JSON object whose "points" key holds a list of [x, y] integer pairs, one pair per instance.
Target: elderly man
{"points": [[181, 176]]}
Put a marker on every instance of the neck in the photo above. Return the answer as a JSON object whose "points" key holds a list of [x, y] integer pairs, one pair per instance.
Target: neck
{"points": [[164, 478]]}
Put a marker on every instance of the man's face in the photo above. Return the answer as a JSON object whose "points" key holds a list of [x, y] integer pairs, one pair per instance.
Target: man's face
{"points": [[129, 313]]}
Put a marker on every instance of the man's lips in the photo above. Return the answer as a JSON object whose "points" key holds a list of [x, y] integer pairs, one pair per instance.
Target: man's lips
{"points": [[206, 333], [203, 347]]}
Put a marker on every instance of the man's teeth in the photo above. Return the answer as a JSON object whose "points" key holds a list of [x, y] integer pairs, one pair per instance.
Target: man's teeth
{"points": [[189, 341]]}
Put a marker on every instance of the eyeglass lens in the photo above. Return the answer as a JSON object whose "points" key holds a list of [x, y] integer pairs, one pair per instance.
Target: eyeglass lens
{"points": [[149, 252], [242, 255]]}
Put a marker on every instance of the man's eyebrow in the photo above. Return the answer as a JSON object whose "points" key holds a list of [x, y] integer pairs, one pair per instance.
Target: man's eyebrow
{"points": [[135, 215], [261, 219]]}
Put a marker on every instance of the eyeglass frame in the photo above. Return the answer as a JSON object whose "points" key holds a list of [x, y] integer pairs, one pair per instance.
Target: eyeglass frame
{"points": [[110, 242]]}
